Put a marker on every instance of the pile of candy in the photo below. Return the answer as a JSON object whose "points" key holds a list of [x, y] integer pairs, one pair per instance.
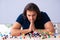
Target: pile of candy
{"points": [[42, 35]]}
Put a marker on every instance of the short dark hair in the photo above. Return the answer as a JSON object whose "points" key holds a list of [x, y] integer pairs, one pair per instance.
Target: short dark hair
{"points": [[32, 7]]}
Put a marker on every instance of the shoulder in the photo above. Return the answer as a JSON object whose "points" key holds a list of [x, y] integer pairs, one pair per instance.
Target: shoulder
{"points": [[21, 15], [20, 18], [43, 13], [45, 17]]}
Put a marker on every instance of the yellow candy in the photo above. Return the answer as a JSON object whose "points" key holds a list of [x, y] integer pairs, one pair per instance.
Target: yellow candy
{"points": [[50, 32], [23, 34]]}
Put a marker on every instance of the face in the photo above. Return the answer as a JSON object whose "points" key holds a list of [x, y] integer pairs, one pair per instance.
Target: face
{"points": [[31, 15]]}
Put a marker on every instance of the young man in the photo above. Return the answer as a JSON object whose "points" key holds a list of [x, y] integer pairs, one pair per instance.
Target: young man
{"points": [[32, 19]]}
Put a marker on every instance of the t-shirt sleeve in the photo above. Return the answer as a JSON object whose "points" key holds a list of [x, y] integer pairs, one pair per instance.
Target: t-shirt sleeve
{"points": [[20, 19], [45, 17]]}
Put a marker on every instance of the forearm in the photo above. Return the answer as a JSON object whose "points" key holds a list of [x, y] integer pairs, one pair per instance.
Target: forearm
{"points": [[40, 30], [16, 32], [44, 30]]}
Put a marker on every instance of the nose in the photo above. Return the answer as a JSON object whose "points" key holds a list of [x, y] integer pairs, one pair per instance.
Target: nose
{"points": [[31, 17]]}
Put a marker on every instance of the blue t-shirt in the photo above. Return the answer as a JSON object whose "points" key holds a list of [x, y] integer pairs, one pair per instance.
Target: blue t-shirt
{"points": [[39, 24]]}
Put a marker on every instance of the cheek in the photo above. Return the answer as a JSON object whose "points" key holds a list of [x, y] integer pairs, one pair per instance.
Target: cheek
{"points": [[35, 17], [28, 17]]}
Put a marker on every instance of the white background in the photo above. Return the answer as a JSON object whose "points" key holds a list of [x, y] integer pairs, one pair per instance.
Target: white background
{"points": [[10, 9]]}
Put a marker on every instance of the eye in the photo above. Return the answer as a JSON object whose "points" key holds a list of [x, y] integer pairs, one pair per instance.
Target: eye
{"points": [[29, 15], [34, 15]]}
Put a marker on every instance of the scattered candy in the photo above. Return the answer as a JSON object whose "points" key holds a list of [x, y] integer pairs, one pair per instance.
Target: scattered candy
{"points": [[31, 36]]}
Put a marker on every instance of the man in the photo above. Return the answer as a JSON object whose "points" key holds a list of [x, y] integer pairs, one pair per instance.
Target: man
{"points": [[32, 19]]}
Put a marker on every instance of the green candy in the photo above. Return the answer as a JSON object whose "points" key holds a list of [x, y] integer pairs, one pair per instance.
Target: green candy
{"points": [[48, 36]]}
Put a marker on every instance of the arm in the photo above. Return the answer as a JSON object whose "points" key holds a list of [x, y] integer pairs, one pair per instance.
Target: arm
{"points": [[16, 29], [48, 27], [47, 23]]}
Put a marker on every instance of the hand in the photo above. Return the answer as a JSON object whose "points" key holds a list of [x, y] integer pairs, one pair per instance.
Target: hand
{"points": [[32, 26]]}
